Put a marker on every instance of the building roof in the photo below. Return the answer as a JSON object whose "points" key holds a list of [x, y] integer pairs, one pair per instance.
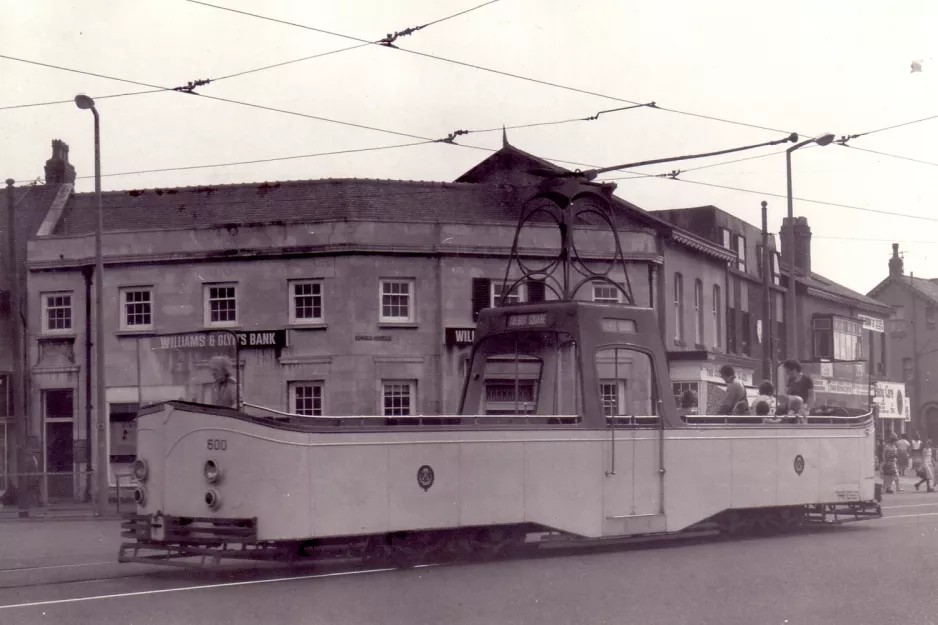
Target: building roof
{"points": [[351, 199], [922, 286], [826, 288]]}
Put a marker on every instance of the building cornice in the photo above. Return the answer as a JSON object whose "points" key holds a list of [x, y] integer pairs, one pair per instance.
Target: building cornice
{"points": [[703, 246], [335, 249], [814, 292]]}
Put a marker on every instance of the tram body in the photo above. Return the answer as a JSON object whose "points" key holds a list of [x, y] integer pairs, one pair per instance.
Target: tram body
{"points": [[596, 450]]}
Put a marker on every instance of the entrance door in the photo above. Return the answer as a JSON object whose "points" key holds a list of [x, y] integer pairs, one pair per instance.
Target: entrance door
{"points": [[632, 484], [59, 436]]}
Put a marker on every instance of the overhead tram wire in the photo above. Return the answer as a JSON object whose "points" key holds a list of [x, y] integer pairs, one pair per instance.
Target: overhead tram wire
{"points": [[226, 77], [482, 68], [782, 195]]}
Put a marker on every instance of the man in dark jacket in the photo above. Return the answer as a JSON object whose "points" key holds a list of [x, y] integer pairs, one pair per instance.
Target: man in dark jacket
{"points": [[735, 391]]}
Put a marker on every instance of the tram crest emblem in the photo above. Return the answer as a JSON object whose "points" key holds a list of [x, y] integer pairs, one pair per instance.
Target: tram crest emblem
{"points": [[425, 477], [799, 464]]}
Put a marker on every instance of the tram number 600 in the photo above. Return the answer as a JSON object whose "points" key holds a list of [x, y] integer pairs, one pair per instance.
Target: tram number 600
{"points": [[217, 444]]}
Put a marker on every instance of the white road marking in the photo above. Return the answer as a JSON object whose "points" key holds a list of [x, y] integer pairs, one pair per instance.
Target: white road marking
{"points": [[910, 505], [906, 516], [53, 566], [184, 588]]}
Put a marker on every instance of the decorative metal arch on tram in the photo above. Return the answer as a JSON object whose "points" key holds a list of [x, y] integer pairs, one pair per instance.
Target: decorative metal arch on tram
{"points": [[570, 205]]}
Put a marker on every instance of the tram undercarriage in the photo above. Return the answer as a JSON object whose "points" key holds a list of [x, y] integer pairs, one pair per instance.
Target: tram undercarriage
{"points": [[204, 542]]}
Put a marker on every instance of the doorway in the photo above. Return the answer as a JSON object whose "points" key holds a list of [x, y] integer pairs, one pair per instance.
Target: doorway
{"points": [[59, 444]]}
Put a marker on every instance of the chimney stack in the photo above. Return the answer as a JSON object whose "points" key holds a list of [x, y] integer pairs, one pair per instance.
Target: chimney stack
{"points": [[895, 263], [802, 243], [58, 169]]}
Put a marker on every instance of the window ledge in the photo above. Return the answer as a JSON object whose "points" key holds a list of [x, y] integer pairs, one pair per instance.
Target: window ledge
{"points": [[58, 335], [234, 328], [307, 326], [141, 332], [398, 324]]}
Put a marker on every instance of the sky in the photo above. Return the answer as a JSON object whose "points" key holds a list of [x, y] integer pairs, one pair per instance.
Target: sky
{"points": [[841, 67]]}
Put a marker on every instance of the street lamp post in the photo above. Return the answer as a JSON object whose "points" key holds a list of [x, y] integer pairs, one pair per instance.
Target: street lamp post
{"points": [[792, 334], [100, 455]]}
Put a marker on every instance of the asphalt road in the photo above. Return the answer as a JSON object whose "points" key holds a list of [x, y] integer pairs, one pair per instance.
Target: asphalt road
{"points": [[883, 571]]}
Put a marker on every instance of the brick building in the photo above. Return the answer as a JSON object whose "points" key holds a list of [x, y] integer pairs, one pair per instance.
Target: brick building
{"points": [[913, 336], [346, 296], [840, 339]]}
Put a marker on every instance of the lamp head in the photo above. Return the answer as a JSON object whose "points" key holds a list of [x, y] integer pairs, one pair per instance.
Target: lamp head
{"points": [[83, 102], [824, 139]]}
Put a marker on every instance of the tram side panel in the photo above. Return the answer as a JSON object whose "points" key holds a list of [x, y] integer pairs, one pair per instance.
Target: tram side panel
{"points": [[711, 470]]}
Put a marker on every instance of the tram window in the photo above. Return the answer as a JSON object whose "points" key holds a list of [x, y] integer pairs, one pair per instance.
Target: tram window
{"points": [[511, 385], [626, 382]]}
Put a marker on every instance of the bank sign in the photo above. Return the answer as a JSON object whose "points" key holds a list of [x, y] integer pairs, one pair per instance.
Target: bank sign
{"points": [[273, 339]]}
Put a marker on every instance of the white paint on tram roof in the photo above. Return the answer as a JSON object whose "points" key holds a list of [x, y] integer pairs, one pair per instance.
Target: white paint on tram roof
{"points": [[143, 593]]}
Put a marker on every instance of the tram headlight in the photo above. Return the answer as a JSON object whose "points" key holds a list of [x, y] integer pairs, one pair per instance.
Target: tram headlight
{"points": [[212, 500], [140, 470], [140, 496], [212, 471]]}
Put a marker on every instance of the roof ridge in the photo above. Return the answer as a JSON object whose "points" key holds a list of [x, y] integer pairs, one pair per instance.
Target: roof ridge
{"points": [[277, 183]]}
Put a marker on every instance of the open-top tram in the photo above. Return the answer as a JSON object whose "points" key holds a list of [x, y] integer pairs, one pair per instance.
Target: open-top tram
{"points": [[567, 430], [589, 445]]}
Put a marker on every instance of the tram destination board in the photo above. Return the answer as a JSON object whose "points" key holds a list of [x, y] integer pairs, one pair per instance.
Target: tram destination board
{"points": [[527, 320]]}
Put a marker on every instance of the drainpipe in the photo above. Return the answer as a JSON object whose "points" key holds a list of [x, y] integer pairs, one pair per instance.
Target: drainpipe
{"points": [[87, 272]]}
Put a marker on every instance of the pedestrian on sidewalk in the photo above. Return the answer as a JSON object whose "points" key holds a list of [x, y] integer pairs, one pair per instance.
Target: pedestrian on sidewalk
{"points": [[927, 470], [890, 468], [903, 447]]}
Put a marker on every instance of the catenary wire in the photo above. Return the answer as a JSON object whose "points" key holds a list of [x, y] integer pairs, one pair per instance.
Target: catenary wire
{"points": [[242, 73], [485, 69]]}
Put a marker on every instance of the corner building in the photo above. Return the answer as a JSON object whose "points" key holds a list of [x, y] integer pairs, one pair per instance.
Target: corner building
{"points": [[346, 296]]}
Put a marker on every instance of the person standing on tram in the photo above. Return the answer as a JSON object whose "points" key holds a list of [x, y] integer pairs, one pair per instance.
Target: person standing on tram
{"points": [[799, 384], [735, 392], [224, 386]]}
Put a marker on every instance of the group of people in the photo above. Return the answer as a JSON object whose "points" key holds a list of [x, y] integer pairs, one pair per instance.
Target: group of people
{"points": [[793, 405], [898, 453]]}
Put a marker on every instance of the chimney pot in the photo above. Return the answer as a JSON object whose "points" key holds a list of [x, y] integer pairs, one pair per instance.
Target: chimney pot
{"points": [[896, 264]]}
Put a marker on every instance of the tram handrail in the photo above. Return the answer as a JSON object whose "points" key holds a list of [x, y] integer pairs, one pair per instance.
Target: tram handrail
{"points": [[412, 417], [782, 419]]}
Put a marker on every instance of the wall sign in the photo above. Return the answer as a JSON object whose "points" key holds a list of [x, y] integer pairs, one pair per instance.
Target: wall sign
{"points": [[372, 337], [210, 340], [460, 336], [873, 324]]}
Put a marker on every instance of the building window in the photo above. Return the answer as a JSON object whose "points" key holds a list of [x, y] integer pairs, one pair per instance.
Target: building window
{"points": [[136, 308], [776, 269], [56, 312], [397, 398], [306, 302], [717, 317], [518, 295], [930, 317], [605, 293], [726, 238], [746, 333], [612, 394], [698, 313], [837, 338], [740, 249], [908, 371], [397, 305], [678, 308], [306, 398], [221, 305]]}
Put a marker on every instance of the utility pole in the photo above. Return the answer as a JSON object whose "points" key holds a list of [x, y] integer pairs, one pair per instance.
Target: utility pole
{"points": [[916, 379], [766, 277], [19, 415]]}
